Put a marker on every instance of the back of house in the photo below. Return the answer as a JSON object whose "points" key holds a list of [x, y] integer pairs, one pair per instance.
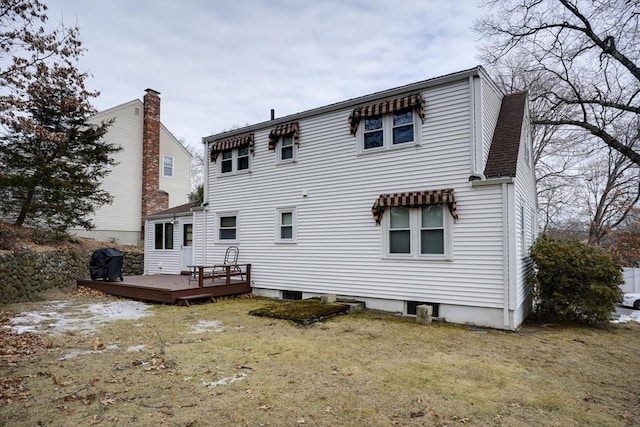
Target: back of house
{"points": [[421, 194]]}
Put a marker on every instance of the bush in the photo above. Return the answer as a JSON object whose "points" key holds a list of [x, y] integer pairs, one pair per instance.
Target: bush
{"points": [[574, 281]]}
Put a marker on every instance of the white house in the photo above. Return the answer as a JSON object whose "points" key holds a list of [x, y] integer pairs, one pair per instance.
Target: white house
{"points": [[423, 193], [168, 247], [152, 173]]}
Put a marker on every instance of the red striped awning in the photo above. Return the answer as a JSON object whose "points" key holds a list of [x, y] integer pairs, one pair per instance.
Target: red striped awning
{"points": [[231, 143], [284, 130], [411, 102], [414, 199]]}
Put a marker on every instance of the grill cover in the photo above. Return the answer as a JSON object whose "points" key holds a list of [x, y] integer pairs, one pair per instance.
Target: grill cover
{"points": [[106, 264]]}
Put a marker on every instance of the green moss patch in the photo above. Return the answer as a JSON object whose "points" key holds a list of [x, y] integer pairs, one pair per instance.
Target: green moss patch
{"points": [[303, 312]]}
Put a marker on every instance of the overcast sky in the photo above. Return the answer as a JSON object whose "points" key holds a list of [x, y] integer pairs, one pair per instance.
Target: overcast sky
{"points": [[219, 64]]}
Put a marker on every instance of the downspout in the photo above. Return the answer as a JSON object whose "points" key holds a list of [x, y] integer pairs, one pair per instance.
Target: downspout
{"points": [[506, 251]]}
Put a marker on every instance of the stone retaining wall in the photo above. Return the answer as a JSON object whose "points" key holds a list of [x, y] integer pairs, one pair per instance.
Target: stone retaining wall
{"points": [[25, 273]]}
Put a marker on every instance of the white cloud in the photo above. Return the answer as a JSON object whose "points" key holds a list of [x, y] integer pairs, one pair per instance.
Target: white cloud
{"points": [[220, 64]]}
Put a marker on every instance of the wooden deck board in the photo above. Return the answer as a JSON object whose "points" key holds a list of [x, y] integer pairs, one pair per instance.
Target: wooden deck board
{"points": [[167, 288]]}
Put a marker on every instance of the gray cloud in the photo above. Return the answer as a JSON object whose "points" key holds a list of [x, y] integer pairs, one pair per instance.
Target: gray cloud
{"points": [[220, 64]]}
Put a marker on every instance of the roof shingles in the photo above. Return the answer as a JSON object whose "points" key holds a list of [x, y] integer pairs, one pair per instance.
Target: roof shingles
{"points": [[503, 154]]}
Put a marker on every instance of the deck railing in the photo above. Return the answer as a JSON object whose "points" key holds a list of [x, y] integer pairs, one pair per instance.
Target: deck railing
{"points": [[226, 271]]}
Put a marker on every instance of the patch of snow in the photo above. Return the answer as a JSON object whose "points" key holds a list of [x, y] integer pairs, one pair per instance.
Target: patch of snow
{"points": [[225, 381], [626, 318], [59, 317], [76, 353], [136, 348], [207, 325]]}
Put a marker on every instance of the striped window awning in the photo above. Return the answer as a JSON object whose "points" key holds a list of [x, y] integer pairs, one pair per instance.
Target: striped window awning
{"points": [[414, 199], [284, 130], [411, 102], [231, 143]]}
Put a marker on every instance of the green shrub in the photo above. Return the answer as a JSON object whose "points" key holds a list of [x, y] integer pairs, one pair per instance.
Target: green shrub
{"points": [[574, 281]]}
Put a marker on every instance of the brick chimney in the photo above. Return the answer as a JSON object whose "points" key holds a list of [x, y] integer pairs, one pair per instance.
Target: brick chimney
{"points": [[153, 199]]}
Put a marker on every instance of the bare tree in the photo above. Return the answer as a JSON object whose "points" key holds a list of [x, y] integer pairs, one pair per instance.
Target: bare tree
{"points": [[587, 53], [612, 191], [198, 163]]}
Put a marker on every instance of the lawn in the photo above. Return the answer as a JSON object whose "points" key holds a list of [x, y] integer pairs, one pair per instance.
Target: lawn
{"points": [[214, 364]]}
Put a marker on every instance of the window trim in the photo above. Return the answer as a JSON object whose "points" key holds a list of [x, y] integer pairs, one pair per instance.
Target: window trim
{"points": [[219, 217], [167, 229], [164, 159], [279, 146], [278, 225], [387, 134], [234, 161], [415, 227]]}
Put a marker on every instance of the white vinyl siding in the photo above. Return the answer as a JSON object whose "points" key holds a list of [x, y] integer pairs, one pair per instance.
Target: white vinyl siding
{"points": [[491, 102], [161, 261], [339, 244]]}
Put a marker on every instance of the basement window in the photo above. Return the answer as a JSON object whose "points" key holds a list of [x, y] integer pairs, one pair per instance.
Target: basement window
{"points": [[292, 295], [412, 307]]}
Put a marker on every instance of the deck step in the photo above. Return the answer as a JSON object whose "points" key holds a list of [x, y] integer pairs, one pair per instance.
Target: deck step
{"points": [[185, 300]]}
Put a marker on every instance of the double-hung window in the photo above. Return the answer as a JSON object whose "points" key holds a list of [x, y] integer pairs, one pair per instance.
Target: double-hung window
{"points": [[388, 124], [285, 151], [235, 160], [391, 130], [167, 166], [417, 232], [228, 227], [416, 224], [284, 140], [233, 155], [286, 225], [163, 235]]}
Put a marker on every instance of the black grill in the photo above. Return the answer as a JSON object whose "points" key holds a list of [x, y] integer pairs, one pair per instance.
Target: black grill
{"points": [[106, 264]]}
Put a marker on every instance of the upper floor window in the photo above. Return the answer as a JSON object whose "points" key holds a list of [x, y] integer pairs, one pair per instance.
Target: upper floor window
{"points": [[388, 131], [284, 139], [163, 235], [167, 166], [234, 154], [235, 160], [387, 124]]}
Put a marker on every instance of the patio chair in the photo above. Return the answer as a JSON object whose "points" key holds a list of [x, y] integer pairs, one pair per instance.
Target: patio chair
{"points": [[231, 261]]}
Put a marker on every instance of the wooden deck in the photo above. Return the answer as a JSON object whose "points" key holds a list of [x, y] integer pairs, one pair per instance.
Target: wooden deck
{"points": [[173, 288]]}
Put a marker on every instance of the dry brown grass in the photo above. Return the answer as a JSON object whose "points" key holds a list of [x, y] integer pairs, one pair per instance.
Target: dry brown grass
{"points": [[365, 369]]}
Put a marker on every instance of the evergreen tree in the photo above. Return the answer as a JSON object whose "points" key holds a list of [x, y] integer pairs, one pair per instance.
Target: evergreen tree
{"points": [[51, 160]]}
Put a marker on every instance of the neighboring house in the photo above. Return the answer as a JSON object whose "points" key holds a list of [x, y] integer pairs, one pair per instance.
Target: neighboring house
{"points": [[169, 239], [152, 173], [423, 193]]}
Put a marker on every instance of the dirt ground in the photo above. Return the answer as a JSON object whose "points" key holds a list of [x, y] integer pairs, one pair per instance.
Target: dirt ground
{"points": [[213, 364]]}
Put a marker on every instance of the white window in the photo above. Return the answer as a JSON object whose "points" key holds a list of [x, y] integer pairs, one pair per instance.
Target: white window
{"points": [[286, 225], [235, 160], [228, 227], [167, 166], [527, 153], [420, 233], [388, 131], [163, 235], [286, 150]]}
